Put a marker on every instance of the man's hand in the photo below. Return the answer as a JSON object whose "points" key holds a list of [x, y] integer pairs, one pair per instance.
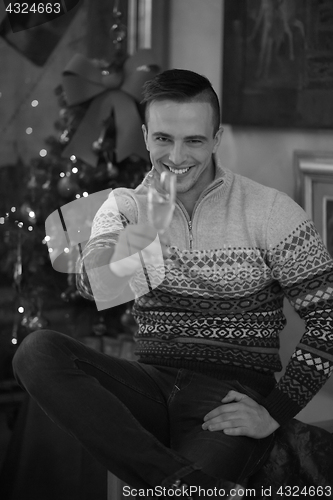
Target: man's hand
{"points": [[137, 242], [239, 415]]}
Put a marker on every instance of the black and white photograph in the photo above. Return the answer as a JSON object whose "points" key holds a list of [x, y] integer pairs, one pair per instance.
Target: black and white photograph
{"points": [[166, 249]]}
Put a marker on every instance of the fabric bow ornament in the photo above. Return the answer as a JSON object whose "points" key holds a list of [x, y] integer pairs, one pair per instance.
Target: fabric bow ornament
{"points": [[113, 93]]}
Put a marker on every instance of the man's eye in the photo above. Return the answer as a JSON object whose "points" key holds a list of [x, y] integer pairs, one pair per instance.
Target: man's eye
{"points": [[195, 142], [162, 139]]}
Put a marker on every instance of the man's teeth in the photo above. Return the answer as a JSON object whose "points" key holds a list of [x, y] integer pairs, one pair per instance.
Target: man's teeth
{"points": [[179, 171]]}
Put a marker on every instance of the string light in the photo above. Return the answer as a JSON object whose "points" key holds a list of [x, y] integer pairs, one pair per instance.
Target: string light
{"points": [[66, 250], [73, 159], [14, 339], [85, 194], [2, 220], [30, 228], [20, 309], [62, 174], [42, 152], [78, 196], [34, 103], [28, 131], [13, 209], [75, 170]]}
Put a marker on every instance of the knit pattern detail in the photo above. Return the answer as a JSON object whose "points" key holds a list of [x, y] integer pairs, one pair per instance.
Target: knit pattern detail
{"points": [[220, 304], [225, 307], [98, 251]]}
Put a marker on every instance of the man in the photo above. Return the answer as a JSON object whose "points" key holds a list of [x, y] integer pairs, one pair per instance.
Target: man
{"points": [[201, 406]]}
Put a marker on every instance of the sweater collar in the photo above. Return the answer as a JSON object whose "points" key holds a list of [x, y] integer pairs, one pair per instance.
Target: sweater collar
{"points": [[219, 176]]}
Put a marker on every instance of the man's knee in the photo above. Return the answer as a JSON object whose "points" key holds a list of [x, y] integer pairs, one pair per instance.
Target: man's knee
{"points": [[31, 353]]}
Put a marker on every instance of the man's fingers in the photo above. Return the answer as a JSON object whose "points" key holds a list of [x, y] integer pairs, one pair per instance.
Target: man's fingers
{"points": [[233, 396], [227, 408], [223, 422], [140, 237]]}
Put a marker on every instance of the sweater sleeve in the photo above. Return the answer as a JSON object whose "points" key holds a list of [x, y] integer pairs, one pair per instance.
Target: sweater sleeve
{"points": [[300, 262], [94, 279]]}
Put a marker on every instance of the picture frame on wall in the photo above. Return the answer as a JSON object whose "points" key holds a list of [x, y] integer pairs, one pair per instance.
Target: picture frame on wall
{"points": [[314, 190], [278, 63], [148, 28]]}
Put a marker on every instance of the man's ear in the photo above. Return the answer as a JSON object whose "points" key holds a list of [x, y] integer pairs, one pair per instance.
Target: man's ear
{"points": [[145, 135], [217, 138]]}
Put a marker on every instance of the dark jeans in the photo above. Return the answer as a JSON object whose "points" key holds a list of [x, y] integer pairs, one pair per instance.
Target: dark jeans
{"points": [[142, 422]]}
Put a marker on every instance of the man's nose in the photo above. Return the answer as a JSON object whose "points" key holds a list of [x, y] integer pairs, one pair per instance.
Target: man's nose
{"points": [[177, 153]]}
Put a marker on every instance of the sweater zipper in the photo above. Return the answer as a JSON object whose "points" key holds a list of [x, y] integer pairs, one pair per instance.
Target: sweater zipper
{"points": [[191, 233], [189, 222]]}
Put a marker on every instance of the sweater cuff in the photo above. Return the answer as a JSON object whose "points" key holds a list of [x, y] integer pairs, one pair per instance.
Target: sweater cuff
{"points": [[280, 406]]}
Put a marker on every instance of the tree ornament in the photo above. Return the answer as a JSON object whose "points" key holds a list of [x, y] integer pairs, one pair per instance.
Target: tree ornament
{"points": [[34, 322], [17, 276], [112, 170], [118, 31], [47, 184], [29, 214], [63, 113], [112, 74], [64, 137], [98, 145]]}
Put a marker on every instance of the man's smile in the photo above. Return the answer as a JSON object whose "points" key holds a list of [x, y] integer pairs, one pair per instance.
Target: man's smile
{"points": [[177, 171]]}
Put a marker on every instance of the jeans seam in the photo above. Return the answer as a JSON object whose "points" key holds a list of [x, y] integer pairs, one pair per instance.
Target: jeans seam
{"points": [[122, 381], [175, 387], [257, 461]]}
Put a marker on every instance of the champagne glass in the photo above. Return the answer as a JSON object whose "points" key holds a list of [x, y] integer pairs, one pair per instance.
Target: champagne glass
{"points": [[161, 201]]}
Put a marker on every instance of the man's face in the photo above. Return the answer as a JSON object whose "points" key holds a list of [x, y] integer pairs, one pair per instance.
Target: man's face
{"points": [[180, 138]]}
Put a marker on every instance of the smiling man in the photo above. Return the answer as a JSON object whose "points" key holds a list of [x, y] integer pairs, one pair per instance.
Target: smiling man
{"points": [[200, 406], [183, 135]]}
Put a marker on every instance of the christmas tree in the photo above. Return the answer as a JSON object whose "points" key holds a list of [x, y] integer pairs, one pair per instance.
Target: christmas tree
{"points": [[97, 145]]}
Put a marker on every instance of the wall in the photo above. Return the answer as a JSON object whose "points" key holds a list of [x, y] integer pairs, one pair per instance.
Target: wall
{"points": [[266, 156]]}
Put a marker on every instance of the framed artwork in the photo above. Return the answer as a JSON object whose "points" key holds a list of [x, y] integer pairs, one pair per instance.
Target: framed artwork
{"points": [[148, 25], [314, 190], [278, 63]]}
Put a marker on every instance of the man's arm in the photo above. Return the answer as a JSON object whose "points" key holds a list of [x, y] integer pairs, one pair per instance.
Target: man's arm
{"points": [[306, 276], [304, 269], [93, 277], [116, 251]]}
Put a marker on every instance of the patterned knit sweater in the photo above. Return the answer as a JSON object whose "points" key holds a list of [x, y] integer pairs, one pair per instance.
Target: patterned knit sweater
{"points": [[219, 308]]}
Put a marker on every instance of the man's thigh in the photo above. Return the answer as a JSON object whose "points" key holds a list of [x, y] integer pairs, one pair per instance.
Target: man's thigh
{"points": [[225, 457], [48, 359], [135, 388]]}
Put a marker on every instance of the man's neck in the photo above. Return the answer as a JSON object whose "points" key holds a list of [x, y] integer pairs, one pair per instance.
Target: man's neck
{"points": [[189, 198]]}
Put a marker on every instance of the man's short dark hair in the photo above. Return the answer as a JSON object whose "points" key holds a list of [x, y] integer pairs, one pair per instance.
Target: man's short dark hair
{"points": [[182, 85]]}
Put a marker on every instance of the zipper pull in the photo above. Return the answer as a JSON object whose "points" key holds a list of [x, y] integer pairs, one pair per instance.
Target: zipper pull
{"points": [[191, 234]]}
